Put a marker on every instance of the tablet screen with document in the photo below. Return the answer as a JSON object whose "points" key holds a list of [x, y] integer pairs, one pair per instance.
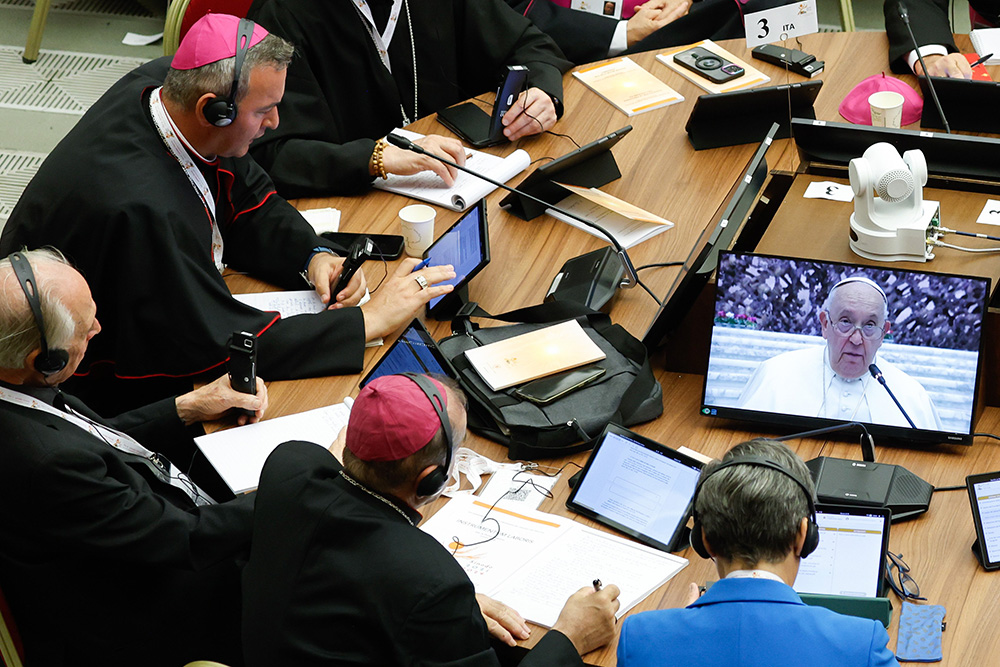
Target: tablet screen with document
{"points": [[850, 558], [637, 486], [413, 352]]}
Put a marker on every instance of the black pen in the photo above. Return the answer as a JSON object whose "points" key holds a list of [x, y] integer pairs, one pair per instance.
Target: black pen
{"points": [[982, 60], [597, 585]]}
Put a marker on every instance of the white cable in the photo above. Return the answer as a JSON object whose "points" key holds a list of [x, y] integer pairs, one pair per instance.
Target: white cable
{"points": [[956, 247]]}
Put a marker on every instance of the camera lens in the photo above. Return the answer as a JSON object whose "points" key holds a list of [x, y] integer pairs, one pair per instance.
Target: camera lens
{"points": [[709, 62], [732, 69]]}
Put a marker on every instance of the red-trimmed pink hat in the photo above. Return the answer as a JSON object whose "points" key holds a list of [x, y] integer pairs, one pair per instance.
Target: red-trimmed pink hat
{"points": [[391, 419], [855, 106], [212, 38]]}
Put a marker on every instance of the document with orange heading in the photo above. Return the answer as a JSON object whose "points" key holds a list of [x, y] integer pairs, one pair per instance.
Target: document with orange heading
{"points": [[536, 354], [627, 86], [533, 561]]}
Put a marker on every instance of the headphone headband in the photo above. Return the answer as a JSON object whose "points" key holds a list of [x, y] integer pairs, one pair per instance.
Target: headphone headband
{"points": [[437, 479], [48, 362], [223, 110], [812, 535]]}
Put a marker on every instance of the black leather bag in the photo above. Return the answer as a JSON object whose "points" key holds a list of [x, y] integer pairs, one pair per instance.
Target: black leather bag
{"points": [[626, 394]]}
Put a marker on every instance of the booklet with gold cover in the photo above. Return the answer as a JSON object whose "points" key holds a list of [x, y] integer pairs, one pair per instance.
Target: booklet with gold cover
{"points": [[536, 354]]}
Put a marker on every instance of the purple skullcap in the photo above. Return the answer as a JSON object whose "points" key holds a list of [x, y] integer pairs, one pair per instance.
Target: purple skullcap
{"points": [[212, 38], [392, 418]]}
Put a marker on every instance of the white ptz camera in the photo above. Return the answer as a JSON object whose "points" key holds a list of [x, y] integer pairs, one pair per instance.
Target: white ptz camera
{"points": [[891, 221]]}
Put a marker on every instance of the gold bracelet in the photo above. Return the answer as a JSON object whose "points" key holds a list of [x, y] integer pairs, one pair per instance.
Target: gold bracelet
{"points": [[376, 163]]}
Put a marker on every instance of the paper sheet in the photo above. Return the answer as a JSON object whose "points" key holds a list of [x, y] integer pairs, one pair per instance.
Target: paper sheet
{"points": [[238, 454], [428, 186], [295, 302], [322, 219], [517, 486], [537, 560]]}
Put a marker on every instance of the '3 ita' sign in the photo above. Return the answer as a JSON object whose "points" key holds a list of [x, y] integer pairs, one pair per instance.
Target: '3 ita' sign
{"points": [[781, 23]]}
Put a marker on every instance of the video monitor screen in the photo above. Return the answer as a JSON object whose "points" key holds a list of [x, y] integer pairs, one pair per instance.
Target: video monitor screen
{"points": [[811, 343]]}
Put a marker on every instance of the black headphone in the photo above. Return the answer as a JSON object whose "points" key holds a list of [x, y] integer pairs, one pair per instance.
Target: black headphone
{"points": [[222, 111], [438, 477], [812, 532], [49, 361]]}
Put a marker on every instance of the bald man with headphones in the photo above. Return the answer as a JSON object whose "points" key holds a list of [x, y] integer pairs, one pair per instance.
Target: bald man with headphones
{"points": [[109, 553], [339, 574], [755, 516]]}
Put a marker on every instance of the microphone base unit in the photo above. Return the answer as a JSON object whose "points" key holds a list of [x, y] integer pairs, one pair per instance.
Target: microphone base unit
{"points": [[591, 279], [845, 482]]}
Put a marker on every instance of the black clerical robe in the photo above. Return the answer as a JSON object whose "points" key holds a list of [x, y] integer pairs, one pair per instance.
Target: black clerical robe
{"points": [[930, 25], [340, 98], [103, 563], [112, 198], [585, 37], [339, 577]]}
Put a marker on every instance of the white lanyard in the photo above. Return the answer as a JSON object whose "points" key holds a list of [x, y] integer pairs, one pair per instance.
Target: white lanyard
{"points": [[382, 40], [382, 45], [754, 574], [175, 143], [116, 439]]}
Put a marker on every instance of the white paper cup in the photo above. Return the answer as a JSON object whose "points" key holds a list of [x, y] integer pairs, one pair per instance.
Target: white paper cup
{"points": [[887, 108], [417, 221]]}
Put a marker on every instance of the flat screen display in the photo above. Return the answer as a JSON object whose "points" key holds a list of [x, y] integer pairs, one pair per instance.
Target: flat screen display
{"points": [[413, 352], [794, 341], [850, 558], [637, 486], [466, 246], [700, 263]]}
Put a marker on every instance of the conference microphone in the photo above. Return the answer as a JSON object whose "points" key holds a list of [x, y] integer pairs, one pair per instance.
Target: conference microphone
{"points": [[877, 374], [631, 278], [905, 15], [867, 441]]}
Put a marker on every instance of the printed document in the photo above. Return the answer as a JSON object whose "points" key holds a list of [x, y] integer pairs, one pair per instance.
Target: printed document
{"points": [[238, 454], [533, 561]]}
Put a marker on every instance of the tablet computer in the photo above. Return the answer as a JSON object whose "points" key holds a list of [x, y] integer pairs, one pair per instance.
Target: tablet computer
{"points": [[984, 496], [466, 246], [637, 486], [415, 351], [589, 166], [968, 104], [744, 116], [850, 558]]}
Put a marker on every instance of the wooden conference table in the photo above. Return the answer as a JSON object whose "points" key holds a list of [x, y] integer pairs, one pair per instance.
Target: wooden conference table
{"points": [[662, 173]]}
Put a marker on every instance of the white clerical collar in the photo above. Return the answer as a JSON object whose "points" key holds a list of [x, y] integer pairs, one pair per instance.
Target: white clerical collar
{"points": [[754, 574], [180, 135]]}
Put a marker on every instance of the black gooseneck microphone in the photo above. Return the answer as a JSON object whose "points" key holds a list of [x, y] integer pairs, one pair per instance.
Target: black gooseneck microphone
{"points": [[905, 15], [877, 374], [631, 278], [867, 441]]}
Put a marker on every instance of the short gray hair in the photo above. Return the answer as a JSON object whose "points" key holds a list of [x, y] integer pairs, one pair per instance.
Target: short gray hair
{"points": [[18, 330], [750, 513], [185, 86]]}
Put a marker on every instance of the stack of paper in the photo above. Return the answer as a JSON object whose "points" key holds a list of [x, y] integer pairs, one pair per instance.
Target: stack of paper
{"points": [[534, 561], [628, 223], [428, 186], [238, 454], [630, 88], [987, 41], [751, 76]]}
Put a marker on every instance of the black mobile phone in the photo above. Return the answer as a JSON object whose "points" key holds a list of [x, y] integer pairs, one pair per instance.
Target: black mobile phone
{"points": [[708, 65], [360, 251], [242, 364], [545, 390], [473, 124], [386, 246]]}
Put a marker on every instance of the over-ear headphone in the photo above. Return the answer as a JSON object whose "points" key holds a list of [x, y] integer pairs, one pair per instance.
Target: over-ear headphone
{"points": [[812, 532], [222, 111], [49, 361], [438, 477]]}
